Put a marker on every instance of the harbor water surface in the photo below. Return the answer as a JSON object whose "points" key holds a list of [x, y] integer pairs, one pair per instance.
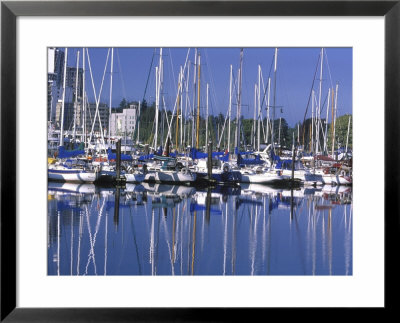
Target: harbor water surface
{"points": [[158, 229]]}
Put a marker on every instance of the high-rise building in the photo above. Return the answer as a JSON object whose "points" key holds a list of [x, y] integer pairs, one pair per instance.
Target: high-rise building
{"points": [[73, 90], [55, 69]]}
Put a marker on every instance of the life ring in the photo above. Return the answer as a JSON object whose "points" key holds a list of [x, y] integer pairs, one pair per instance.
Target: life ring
{"points": [[185, 171], [326, 171]]}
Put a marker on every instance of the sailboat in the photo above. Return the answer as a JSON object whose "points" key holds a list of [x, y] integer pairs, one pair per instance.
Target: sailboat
{"points": [[168, 172], [71, 170]]}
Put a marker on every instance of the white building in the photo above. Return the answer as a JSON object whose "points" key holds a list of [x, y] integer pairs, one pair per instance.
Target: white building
{"points": [[124, 123]]}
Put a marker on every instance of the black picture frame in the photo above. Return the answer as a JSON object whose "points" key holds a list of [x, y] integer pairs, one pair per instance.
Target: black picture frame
{"points": [[10, 10]]}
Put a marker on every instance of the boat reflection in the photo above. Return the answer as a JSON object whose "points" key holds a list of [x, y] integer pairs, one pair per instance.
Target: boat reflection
{"points": [[161, 229]]}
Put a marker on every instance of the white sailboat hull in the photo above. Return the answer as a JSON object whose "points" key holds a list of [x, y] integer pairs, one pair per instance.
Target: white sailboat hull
{"points": [[336, 180], [263, 178], [170, 177], [71, 175], [134, 178]]}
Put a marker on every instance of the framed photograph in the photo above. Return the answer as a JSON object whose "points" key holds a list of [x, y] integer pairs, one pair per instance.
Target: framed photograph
{"points": [[198, 158]]}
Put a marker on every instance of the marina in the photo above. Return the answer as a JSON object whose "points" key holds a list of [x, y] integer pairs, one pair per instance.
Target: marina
{"points": [[176, 184]]}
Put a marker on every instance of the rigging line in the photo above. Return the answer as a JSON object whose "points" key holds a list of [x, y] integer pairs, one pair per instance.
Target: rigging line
{"points": [[97, 99], [93, 238], [172, 69], [121, 76], [176, 101], [223, 128], [148, 75], [135, 241], [166, 233], [309, 97], [329, 69], [212, 82], [269, 75], [260, 112]]}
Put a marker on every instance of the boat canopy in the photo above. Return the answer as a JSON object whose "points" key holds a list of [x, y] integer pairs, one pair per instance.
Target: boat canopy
{"points": [[221, 155], [249, 161], [113, 156], [63, 153]]}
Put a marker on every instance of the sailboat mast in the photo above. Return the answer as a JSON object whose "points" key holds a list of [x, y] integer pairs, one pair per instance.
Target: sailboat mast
{"points": [[312, 123], [259, 108], [198, 102], [273, 110], [76, 94], [84, 97], [239, 100], [138, 125], [158, 79], [63, 99], [253, 133], [318, 112], [185, 140], [334, 120], [326, 123], [177, 111], [110, 107], [207, 117], [268, 121], [230, 109], [181, 116]]}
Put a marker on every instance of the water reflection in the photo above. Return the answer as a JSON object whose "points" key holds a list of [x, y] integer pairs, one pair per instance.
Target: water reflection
{"points": [[158, 229]]}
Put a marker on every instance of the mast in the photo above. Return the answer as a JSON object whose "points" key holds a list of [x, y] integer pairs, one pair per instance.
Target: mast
{"points": [[63, 99], [253, 134], [326, 123], [198, 102], [273, 110], [239, 100], [259, 108], [279, 133], [268, 97], [334, 121], [186, 105], [177, 111], [111, 82], [76, 94], [207, 117], [230, 108], [181, 91], [84, 97], [318, 112], [194, 94], [158, 86], [312, 124], [138, 126]]}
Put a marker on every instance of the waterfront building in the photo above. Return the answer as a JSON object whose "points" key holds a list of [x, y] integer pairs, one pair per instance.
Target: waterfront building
{"points": [[124, 123]]}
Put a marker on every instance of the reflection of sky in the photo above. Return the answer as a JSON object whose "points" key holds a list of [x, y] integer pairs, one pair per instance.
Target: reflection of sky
{"points": [[199, 233]]}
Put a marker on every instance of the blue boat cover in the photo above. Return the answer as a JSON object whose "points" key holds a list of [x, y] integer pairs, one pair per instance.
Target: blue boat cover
{"points": [[62, 153], [113, 156]]}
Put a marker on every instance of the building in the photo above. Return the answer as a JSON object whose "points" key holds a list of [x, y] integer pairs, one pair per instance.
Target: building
{"points": [[104, 113], [55, 79], [124, 123], [55, 70]]}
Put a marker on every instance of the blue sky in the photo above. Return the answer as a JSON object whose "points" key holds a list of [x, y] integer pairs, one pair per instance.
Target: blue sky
{"points": [[295, 74]]}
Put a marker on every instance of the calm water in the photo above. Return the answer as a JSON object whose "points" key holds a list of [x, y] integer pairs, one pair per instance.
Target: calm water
{"points": [[176, 230]]}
